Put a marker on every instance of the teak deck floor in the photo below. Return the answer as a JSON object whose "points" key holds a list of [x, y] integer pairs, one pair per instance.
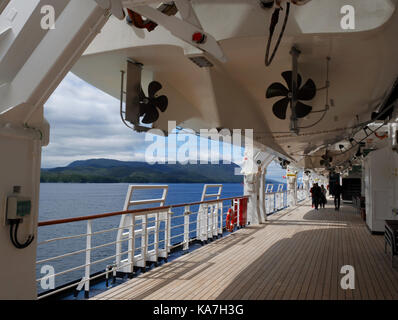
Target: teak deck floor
{"points": [[297, 254]]}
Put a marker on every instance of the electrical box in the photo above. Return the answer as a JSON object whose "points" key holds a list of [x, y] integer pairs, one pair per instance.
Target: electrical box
{"points": [[18, 207]]}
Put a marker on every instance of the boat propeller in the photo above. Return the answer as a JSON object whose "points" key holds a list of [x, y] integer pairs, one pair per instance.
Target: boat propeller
{"points": [[150, 104], [326, 160], [306, 92]]}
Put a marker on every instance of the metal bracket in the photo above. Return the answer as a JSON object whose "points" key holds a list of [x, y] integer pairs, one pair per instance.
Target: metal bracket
{"points": [[115, 6], [293, 120], [184, 29]]}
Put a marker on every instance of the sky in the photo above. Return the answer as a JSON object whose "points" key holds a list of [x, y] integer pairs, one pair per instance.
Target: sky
{"points": [[85, 124]]}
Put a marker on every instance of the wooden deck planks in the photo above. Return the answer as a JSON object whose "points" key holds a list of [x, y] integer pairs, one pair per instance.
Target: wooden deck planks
{"points": [[297, 254]]}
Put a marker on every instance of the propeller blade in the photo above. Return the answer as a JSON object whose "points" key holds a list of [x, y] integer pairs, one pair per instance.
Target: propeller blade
{"points": [[302, 109], [151, 115], [288, 75], [280, 107], [153, 87], [277, 90], [308, 91], [161, 102]]}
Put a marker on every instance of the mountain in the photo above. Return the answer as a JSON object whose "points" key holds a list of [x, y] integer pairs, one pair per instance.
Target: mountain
{"points": [[109, 170], [114, 171]]}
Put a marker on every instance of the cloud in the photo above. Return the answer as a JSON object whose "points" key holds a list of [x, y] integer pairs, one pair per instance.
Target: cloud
{"points": [[85, 124]]}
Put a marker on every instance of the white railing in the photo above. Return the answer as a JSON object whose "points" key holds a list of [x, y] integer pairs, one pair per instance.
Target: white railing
{"points": [[152, 234], [275, 201], [209, 214], [149, 236], [148, 224]]}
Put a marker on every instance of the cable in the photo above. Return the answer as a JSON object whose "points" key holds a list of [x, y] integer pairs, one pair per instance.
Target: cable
{"points": [[14, 235], [28, 241], [274, 22], [314, 124]]}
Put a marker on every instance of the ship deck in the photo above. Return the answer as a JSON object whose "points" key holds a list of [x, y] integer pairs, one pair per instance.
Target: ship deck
{"points": [[297, 254]]}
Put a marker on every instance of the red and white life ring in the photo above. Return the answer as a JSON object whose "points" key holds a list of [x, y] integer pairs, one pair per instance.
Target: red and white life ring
{"points": [[229, 221]]}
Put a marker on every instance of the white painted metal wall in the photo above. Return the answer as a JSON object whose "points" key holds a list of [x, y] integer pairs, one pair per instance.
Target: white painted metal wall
{"points": [[381, 187]]}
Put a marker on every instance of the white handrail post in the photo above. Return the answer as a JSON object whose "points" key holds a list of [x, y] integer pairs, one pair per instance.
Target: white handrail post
{"points": [[88, 260], [214, 220], [131, 246], [187, 212], [130, 254], [168, 231], [220, 211], [209, 220], [156, 237], [144, 240]]}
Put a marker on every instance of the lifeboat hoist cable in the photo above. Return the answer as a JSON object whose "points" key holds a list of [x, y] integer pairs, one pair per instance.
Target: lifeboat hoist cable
{"points": [[274, 22]]}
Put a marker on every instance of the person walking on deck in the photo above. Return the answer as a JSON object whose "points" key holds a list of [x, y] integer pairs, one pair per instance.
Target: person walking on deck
{"points": [[337, 190], [323, 197], [316, 195], [312, 195]]}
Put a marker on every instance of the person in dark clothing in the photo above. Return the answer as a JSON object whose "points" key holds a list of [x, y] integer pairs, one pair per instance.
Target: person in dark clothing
{"points": [[316, 195], [337, 190], [312, 194], [323, 197]]}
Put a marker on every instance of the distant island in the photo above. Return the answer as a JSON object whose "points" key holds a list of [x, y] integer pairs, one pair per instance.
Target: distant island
{"points": [[115, 171]]}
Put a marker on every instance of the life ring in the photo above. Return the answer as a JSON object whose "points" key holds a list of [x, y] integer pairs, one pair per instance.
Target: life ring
{"points": [[229, 221]]}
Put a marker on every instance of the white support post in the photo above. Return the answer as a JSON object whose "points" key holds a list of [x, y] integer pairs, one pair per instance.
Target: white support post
{"points": [[187, 212], [291, 175], [209, 215], [156, 236], [144, 240], [130, 256], [168, 231], [131, 247], [215, 220], [88, 260], [220, 211], [263, 215]]}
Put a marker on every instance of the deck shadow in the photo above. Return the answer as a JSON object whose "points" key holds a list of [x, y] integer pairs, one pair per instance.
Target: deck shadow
{"points": [[308, 265], [177, 269]]}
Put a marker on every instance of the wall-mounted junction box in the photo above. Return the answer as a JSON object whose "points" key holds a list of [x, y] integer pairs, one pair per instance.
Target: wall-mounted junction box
{"points": [[17, 207]]}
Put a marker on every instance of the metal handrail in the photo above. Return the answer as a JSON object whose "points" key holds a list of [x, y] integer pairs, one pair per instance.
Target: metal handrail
{"points": [[134, 212], [213, 218], [143, 232]]}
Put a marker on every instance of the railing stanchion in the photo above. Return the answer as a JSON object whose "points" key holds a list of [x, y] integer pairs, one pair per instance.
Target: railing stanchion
{"points": [[210, 225], [88, 260], [168, 231], [220, 213], [156, 237], [187, 212], [143, 241]]}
